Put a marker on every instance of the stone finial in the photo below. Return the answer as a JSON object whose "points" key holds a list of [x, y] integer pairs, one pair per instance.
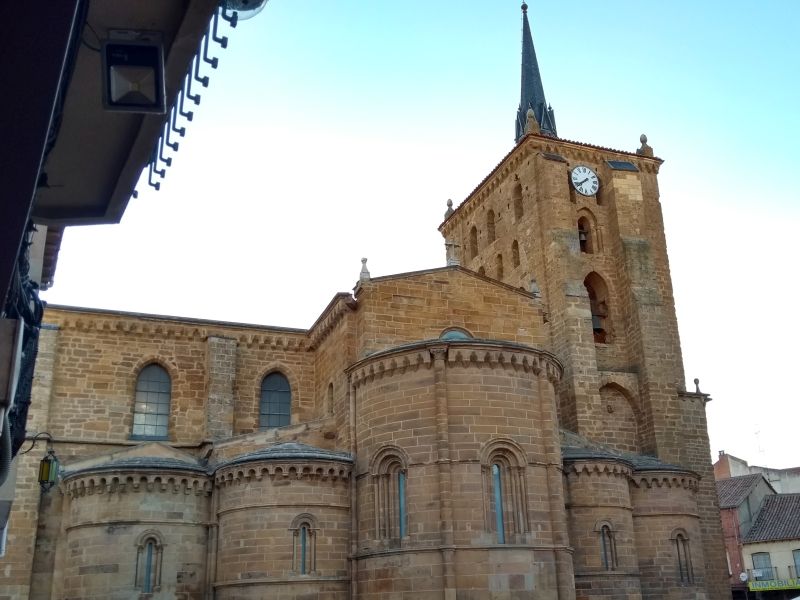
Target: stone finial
{"points": [[697, 386], [364, 275], [452, 253], [449, 210], [531, 124], [644, 150]]}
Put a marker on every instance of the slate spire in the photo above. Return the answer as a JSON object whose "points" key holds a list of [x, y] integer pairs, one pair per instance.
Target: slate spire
{"points": [[532, 95]]}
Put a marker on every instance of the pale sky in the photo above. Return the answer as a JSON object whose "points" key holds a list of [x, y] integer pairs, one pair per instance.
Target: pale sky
{"points": [[336, 130]]}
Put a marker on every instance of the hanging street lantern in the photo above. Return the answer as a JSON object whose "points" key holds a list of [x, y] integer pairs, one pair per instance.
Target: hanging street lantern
{"points": [[49, 465]]}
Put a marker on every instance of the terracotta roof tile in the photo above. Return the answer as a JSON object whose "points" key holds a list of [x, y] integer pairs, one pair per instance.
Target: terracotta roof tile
{"points": [[778, 519], [733, 490]]}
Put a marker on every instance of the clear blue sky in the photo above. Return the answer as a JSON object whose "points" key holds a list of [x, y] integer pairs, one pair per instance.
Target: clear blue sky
{"points": [[336, 130]]}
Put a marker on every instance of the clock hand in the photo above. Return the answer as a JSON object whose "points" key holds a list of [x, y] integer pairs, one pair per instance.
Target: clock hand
{"points": [[582, 182]]}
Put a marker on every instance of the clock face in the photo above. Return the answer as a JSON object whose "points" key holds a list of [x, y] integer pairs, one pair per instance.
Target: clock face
{"points": [[585, 181]]}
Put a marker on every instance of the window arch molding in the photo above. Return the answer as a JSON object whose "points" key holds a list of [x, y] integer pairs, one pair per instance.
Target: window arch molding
{"points": [[608, 544], [681, 544], [505, 496], [389, 471], [149, 556], [266, 370], [154, 359], [152, 399], [304, 530]]}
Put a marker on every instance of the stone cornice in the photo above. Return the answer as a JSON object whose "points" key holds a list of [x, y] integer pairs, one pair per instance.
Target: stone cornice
{"points": [[341, 304], [120, 483], [465, 353], [287, 470], [665, 479]]}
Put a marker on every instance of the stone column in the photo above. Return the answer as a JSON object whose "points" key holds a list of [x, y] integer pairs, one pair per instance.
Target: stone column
{"points": [[221, 375]]}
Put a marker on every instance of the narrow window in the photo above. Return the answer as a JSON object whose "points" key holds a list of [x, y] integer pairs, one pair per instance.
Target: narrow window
{"points": [[473, 242], [585, 236], [515, 253], [391, 488], [685, 569], [796, 556], [598, 303], [608, 548], [275, 408], [147, 576], [152, 404], [490, 233], [762, 567], [329, 402], [497, 493], [499, 266], [517, 197], [304, 540], [482, 271]]}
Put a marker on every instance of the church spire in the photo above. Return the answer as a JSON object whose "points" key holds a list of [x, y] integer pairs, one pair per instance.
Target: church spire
{"points": [[532, 96]]}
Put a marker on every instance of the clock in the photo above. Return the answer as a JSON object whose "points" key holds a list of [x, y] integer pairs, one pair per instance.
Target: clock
{"points": [[584, 180]]}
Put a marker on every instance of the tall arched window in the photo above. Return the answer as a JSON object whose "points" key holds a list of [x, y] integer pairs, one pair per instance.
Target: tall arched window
{"points": [[275, 408], [304, 544], [684, 555], [598, 303], [329, 400], [585, 236], [608, 548], [149, 550], [515, 253], [498, 261], [516, 196], [389, 475], [505, 496], [490, 233], [473, 242], [151, 407]]}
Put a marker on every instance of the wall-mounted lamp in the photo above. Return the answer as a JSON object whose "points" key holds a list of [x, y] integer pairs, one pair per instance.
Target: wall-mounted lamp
{"points": [[48, 466]]}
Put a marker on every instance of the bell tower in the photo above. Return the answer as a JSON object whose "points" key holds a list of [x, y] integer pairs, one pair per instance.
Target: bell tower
{"points": [[580, 227]]}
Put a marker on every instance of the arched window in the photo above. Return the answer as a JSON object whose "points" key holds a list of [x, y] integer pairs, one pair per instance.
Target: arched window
{"points": [[598, 303], [473, 242], [329, 400], [498, 261], [455, 333], [304, 544], [516, 196], [151, 407], [390, 479], [684, 555], [515, 253], [608, 548], [585, 236], [505, 496], [149, 550], [490, 233], [275, 408]]}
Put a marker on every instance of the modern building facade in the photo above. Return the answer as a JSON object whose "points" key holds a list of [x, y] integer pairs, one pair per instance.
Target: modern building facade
{"points": [[512, 425]]}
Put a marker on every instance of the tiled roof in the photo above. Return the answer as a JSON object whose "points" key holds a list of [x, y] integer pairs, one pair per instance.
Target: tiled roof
{"points": [[289, 451], [577, 447], [733, 490], [778, 519]]}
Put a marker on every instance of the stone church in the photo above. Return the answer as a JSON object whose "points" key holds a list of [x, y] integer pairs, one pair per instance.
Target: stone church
{"points": [[512, 425]]}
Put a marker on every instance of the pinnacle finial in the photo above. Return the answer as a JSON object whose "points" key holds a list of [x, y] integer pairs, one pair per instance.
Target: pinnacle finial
{"points": [[449, 210], [696, 380], [644, 150], [524, 7], [364, 275]]}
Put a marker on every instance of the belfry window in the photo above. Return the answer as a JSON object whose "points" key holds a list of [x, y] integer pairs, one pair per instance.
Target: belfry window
{"points": [[585, 236], [152, 404], [490, 232], [275, 408], [473, 242], [516, 196], [598, 303], [515, 253]]}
